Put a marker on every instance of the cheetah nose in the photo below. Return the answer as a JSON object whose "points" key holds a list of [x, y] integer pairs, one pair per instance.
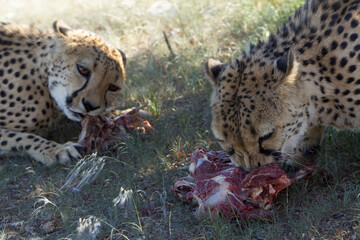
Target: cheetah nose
{"points": [[88, 106]]}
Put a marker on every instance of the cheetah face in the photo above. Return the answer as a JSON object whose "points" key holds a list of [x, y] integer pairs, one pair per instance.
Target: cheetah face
{"points": [[256, 112], [86, 74]]}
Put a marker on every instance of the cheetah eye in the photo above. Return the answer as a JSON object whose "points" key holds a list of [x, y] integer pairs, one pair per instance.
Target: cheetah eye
{"points": [[83, 71], [220, 140], [266, 136], [113, 88], [267, 152]]}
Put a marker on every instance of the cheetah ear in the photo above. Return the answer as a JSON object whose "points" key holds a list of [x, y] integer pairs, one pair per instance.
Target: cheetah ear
{"points": [[60, 28], [213, 69], [123, 57], [286, 67]]}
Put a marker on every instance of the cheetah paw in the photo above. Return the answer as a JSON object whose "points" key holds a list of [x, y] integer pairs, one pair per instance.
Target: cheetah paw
{"points": [[63, 154]]}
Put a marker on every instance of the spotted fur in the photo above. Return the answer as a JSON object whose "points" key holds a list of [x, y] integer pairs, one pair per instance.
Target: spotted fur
{"points": [[273, 102], [70, 70]]}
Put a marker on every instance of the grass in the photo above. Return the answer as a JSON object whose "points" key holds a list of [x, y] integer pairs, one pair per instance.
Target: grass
{"points": [[131, 197]]}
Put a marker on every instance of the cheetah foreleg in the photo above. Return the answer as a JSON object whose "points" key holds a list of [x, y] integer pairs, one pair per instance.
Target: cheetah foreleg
{"points": [[42, 150]]}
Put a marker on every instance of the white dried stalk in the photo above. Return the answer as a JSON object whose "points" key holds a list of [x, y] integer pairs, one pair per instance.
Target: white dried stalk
{"points": [[88, 228], [85, 172]]}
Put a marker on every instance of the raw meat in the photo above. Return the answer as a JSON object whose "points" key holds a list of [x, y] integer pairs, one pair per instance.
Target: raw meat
{"points": [[100, 132], [219, 188]]}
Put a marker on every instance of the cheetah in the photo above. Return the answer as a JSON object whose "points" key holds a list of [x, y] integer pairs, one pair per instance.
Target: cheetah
{"points": [[272, 103], [66, 70]]}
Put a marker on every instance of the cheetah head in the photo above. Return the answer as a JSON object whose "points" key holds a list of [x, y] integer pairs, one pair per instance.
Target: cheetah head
{"points": [[258, 111], [85, 73]]}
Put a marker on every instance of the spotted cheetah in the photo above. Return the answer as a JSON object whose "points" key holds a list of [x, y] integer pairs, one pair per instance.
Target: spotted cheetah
{"points": [[65, 69], [272, 102]]}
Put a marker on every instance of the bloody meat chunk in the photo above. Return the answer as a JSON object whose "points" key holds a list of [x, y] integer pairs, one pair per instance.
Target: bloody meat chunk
{"points": [[220, 188], [100, 132]]}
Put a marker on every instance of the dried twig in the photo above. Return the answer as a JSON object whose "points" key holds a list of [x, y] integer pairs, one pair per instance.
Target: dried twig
{"points": [[14, 224], [168, 44]]}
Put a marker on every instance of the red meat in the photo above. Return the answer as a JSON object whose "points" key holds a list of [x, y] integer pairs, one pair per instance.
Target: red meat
{"points": [[220, 188], [100, 132]]}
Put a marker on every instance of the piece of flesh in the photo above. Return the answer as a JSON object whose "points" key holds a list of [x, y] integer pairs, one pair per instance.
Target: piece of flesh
{"points": [[219, 188], [99, 133]]}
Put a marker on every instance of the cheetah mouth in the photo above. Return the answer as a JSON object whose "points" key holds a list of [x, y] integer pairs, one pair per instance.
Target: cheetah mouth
{"points": [[77, 115]]}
